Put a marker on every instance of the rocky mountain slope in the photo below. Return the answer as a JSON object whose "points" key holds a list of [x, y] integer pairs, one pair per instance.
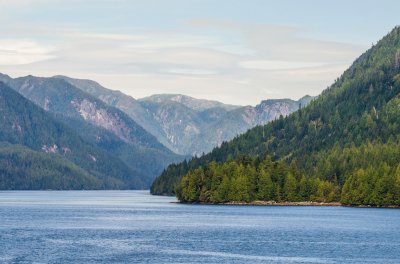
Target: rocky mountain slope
{"points": [[39, 152], [186, 125], [98, 123]]}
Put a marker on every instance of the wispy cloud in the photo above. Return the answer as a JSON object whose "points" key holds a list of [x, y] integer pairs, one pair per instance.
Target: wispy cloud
{"points": [[240, 63], [17, 52]]}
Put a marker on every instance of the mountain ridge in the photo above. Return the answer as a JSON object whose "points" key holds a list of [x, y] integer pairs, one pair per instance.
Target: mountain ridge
{"points": [[186, 125], [100, 124], [24, 123]]}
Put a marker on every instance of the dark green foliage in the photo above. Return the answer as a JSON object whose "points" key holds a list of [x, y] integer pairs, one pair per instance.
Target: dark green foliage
{"points": [[24, 169], [334, 136], [244, 181], [25, 124], [377, 186]]}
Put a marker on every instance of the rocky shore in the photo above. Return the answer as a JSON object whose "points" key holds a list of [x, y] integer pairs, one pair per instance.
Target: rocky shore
{"points": [[305, 203]]}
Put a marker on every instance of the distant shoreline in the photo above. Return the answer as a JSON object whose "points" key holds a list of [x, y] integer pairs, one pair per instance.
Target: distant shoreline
{"points": [[307, 203]]}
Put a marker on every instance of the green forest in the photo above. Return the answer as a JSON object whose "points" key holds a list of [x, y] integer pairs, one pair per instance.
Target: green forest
{"points": [[347, 137], [25, 169], [248, 179], [25, 124]]}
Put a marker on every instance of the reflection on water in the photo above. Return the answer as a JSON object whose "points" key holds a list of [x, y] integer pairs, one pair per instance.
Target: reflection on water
{"points": [[135, 227]]}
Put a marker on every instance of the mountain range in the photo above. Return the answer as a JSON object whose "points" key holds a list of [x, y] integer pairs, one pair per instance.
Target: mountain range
{"points": [[99, 124], [142, 136], [186, 125]]}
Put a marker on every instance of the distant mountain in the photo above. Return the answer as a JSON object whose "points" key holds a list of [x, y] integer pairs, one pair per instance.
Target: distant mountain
{"points": [[344, 146], [127, 104], [98, 123], [230, 124], [197, 126], [38, 152], [186, 125], [189, 102]]}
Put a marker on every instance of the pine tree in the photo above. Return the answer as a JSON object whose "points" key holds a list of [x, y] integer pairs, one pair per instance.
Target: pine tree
{"points": [[265, 185], [290, 188]]}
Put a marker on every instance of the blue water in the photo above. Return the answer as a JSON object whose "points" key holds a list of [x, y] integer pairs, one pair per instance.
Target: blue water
{"points": [[135, 227]]}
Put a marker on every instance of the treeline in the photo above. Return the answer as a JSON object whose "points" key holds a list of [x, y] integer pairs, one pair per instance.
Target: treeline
{"points": [[378, 186], [369, 175], [247, 179]]}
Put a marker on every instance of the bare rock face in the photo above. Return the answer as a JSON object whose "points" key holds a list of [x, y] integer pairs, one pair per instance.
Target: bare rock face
{"points": [[102, 118], [16, 127], [239, 120], [50, 149], [270, 111], [187, 125]]}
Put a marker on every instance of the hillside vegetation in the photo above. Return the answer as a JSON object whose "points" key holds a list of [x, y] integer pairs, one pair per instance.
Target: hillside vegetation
{"points": [[50, 146]]}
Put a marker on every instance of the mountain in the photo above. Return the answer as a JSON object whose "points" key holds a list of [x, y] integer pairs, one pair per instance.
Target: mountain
{"points": [[98, 123], [125, 103], [228, 125], [189, 102], [186, 125], [38, 152], [349, 137], [197, 126]]}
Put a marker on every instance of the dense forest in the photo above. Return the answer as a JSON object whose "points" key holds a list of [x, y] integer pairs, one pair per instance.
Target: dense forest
{"points": [[23, 123], [248, 179], [348, 136], [24, 169]]}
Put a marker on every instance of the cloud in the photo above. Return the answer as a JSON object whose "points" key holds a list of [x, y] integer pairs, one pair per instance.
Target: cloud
{"points": [[237, 63], [17, 52], [277, 65]]}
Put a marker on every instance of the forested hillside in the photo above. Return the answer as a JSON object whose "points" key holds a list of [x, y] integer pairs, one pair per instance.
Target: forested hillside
{"points": [[99, 124], [52, 148], [22, 168], [348, 136]]}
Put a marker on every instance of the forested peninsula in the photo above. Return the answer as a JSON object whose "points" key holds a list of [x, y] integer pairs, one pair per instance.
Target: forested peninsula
{"points": [[343, 147]]}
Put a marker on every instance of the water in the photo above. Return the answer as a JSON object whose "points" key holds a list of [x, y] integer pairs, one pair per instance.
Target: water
{"points": [[135, 227]]}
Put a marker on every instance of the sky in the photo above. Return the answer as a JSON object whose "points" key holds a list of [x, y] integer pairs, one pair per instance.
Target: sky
{"points": [[234, 51]]}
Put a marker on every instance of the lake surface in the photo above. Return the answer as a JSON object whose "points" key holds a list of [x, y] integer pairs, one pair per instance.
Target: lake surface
{"points": [[135, 227]]}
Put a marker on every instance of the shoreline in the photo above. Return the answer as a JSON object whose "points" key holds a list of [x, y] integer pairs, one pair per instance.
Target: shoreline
{"points": [[306, 203]]}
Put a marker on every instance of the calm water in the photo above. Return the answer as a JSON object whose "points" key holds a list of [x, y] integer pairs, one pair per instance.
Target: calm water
{"points": [[134, 227]]}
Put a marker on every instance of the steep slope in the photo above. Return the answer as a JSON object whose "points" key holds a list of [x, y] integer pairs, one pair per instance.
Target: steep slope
{"points": [[126, 103], [59, 150], [22, 168], [186, 125], [235, 122], [360, 109], [177, 123], [96, 122], [194, 128]]}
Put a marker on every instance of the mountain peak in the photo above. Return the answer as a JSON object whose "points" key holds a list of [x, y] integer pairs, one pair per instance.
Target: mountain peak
{"points": [[188, 101]]}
